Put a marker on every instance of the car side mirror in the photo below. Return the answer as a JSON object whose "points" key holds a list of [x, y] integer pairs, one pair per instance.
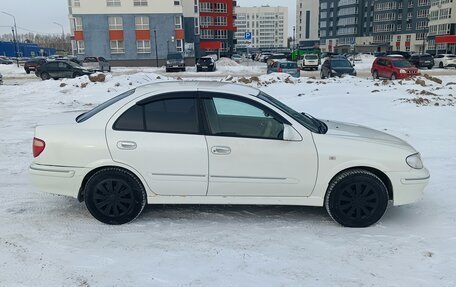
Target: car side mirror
{"points": [[290, 134]]}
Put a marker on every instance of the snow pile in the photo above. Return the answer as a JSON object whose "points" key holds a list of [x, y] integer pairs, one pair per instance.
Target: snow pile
{"points": [[263, 80], [226, 62]]}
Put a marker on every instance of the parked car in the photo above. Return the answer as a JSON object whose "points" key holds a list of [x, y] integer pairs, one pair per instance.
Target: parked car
{"points": [[379, 54], [205, 64], [33, 64], [445, 60], [220, 143], [175, 62], [393, 68], [61, 69], [308, 62], [1, 79], [422, 60], [336, 66], [237, 58], [5, 61], [97, 64], [283, 66], [274, 57], [404, 54], [263, 57]]}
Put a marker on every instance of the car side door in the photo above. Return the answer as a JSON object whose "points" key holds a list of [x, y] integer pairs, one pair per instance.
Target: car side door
{"points": [[161, 137], [247, 153]]}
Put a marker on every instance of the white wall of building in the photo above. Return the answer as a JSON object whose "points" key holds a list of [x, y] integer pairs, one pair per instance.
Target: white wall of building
{"points": [[124, 6], [306, 8], [268, 25]]}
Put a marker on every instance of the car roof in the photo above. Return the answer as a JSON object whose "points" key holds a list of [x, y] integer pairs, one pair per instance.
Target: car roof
{"points": [[170, 86], [391, 58]]}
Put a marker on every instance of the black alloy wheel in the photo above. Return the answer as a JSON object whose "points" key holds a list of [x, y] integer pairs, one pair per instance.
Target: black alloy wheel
{"points": [[356, 198]]}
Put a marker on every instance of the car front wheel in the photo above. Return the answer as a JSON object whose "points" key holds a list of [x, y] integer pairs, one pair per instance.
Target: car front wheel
{"points": [[45, 76], [441, 65], [356, 198], [114, 196], [393, 76], [322, 75], [375, 75]]}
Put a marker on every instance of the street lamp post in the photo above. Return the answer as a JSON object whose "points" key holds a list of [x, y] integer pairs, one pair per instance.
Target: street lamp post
{"points": [[63, 34], [14, 36], [156, 48]]}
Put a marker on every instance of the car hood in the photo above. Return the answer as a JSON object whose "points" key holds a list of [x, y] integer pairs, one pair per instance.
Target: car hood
{"points": [[359, 132]]}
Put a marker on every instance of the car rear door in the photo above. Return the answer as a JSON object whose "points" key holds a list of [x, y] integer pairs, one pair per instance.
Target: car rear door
{"points": [[161, 138], [247, 153]]}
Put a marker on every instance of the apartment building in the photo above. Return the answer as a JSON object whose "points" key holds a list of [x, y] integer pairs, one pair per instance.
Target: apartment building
{"points": [[306, 33], [268, 26], [401, 25], [128, 31], [442, 27], [345, 24], [216, 26]]}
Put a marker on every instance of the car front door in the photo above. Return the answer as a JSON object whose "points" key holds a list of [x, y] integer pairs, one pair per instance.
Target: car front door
{"points": [[161, 138], [247, 153]]}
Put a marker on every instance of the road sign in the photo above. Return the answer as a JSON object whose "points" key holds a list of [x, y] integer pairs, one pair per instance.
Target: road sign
{"points": [[248, 36]]}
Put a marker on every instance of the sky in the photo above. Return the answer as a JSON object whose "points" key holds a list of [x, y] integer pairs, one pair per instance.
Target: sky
{"points": [[38, 16]]}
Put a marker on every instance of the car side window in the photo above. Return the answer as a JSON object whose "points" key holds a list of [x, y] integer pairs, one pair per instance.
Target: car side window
{"points": [[174, 115], [102, 59], [236, 118]]}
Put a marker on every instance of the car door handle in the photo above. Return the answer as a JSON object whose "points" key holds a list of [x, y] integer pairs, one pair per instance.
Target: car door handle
{"points": [[220, 150], [128, 145]]}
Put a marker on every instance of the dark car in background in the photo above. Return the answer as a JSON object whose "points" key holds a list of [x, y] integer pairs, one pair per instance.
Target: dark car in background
{"points": [[5, 61], [175, 62], [96, 63], [393, 68], [404, 54], [422, 60], [61, 69], [336, 66], [205, 64], [33, 64]]}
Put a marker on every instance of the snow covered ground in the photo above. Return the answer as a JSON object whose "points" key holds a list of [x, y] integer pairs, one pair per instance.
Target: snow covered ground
{"points": [[48, 240]]}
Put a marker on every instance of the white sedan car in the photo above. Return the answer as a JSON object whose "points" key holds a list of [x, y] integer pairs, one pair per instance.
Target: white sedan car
{"points": [[221, 143], [445, 60]]}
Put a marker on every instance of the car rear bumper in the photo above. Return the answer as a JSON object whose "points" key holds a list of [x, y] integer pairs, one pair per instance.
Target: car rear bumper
{"points": [[408, 187], [57, 179]]}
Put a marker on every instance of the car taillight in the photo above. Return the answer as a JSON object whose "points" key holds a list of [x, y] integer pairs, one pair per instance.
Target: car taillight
{"points": [[38, 146], [280, 70]]}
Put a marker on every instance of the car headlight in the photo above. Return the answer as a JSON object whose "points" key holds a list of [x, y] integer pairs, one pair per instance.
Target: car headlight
{"points": [[402, 71], [414, 161]]}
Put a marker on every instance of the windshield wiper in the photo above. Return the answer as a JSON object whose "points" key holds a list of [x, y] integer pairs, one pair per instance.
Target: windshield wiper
{"points": [[321, 126]]}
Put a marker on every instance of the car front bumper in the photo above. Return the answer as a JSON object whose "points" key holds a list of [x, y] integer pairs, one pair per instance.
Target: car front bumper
{"points": [[408, 187], [57, 179]]}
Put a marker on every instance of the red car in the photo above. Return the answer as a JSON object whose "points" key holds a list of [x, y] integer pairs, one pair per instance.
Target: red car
{"points": [[393, 68], [33, 64]]}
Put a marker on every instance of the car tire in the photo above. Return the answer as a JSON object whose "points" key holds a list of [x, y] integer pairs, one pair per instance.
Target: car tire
{"points": [[375, 75], [45, 76], [55, 78], [441, 65], [429, 67], [393, 77], [114, 196], [356, 198], [27, 71], [322, 75], [109, 69]]}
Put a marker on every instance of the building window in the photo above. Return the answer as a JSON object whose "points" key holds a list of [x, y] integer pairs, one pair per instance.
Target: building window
{"points": [[143, 46], [115, 23], [113, 3], [179, 45], [117, 46], [139, 2], [178, 22], [408, 38], [142, 23], [207, 34], [195, 8], [205, 7], [206, 21], [76, 3], [197, 28], [220, 34], [220, 7], [80, 47], [220, 21], [78, 24], [177, 3]]}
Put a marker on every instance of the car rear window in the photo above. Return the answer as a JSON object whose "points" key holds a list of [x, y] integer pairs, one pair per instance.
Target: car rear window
{"points": [[288, 65], [90, 60], [205, 60], [87, 115], [310, 57], [341, 63], [175, 56]]}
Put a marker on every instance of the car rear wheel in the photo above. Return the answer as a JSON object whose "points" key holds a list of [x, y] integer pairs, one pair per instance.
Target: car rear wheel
{"points": [[114, 196], [393, 76], [27, 71], [375, 75], [45, 76], [356, 198]]}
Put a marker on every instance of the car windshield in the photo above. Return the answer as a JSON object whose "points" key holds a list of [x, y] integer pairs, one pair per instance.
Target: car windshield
{"points": [[73, 64], [205, 60], [306, 120], [310, 57], [290, 65], [87, 115], [175, 56], [401, 64], [341, 64]]}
